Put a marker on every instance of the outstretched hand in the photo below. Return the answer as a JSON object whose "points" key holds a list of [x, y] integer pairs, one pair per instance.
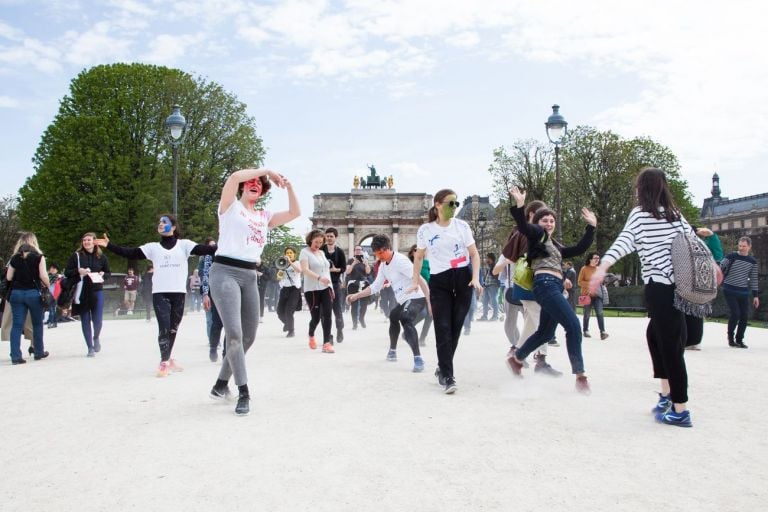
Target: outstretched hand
{"points": [[517, 195], [589, 217], [277, 178], [102, 242], [596, 281]]}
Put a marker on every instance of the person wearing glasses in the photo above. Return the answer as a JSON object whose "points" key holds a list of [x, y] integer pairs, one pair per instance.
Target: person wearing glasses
{"points": [[454, 266], [595, 299]]}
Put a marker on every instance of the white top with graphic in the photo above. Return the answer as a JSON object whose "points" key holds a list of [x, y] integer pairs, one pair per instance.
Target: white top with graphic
{"points": [[398, 272], [243, 234], [171, 267], [318, 264], [292, 278], [446, 246]]}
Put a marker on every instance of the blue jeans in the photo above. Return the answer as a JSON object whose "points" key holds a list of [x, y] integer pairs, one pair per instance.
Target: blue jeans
{"points": [[597, 304], [470, 313], [93, 316], [491, 295], [548, 291], [23, 302]]}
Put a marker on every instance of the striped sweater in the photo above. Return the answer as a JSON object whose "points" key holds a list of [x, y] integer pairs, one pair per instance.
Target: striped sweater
{"points": [[652, 239], [740, 273]]}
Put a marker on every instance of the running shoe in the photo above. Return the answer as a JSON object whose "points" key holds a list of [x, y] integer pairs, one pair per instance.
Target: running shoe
{"points": [[543, 367], [586, 334], [312, 343], [174, 366], [418, 364], [220, 393], [439, 375], [391, 355], [678, 419], [243, 407], [741, 344], [328, 348], [96, 346], [515, 365], [582, 385], [213, 355], [91, 353], [662, 405], [450, 386], [603, 335], [163, 370]]}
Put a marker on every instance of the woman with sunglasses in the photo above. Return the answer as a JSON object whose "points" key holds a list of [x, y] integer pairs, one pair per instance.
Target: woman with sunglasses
{"points": [[169, 258], [450, 247], [595, 299]]}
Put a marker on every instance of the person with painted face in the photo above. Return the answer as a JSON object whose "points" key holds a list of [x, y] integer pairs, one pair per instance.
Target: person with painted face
{"points": [[90, 266], [169, 258], [243, 229], [449, 245], [338, 261], [545, 256], [290, 292]]}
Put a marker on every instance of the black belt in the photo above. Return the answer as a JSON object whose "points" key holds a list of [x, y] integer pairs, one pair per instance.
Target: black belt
{"points": [[232, 262]]}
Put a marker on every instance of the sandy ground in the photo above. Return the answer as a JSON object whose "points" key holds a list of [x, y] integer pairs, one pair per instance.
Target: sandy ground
{"points": [[351, 431]]}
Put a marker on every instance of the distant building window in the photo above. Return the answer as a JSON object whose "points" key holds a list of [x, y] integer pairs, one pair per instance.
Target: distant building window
{"points": [[748, 223], [761, 221], [730, 225]]}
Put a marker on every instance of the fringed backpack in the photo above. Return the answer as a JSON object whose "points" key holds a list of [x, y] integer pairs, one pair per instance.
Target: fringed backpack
{"points": [[696, 274]]}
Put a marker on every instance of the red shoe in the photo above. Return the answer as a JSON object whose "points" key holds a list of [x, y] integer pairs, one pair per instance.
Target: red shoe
{"points": [[163, 370], [515, 365], [312, 343], [582, 386], [328, 348], [174, 366]]}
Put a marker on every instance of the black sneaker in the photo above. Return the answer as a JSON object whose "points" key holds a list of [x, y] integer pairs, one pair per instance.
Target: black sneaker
{"points": [[96, 346], [731, 343], [220, 393], [439, 375], [42, 356], [290, 334], [362, 323], [339, 335], [243, 407], [450, 386], [213, 355], [739, 344]]}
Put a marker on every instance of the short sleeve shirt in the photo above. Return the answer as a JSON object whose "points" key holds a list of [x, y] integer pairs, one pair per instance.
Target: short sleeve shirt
{"points": [[446, 246], [319, 265], [171, 266], [398, 272], [243, 233]]}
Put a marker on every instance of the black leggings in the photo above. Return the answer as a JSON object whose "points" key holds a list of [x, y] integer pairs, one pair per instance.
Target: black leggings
{"points": [[738, 304], [450, 296], [320, 308], [169, 309], [287, 304], [338, 301], [665, 335], [406, 314]]}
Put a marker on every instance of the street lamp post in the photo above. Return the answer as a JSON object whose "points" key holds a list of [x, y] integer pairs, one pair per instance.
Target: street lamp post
{"points": [[175, 125], [481, 222], [556, 130]]}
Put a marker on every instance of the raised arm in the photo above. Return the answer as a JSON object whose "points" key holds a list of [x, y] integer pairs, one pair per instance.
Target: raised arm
{"points": [[293, 211], [229, 191]]}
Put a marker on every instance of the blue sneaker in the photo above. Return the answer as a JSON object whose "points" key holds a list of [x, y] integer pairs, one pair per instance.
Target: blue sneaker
{"points": [[418, 364], [391, 355], [663, 404], [679, 419]]}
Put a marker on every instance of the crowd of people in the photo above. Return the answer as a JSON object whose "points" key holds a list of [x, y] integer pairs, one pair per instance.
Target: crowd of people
{"points": [[440, 283]]}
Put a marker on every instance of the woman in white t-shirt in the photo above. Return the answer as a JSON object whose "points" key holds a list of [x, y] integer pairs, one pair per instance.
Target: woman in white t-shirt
{"points": [[233, 276], [449, 246], [318, 290], [169, 284]]}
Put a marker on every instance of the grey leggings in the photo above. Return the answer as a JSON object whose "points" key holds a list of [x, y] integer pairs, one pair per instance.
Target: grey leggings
{"points": [[236, 294]]}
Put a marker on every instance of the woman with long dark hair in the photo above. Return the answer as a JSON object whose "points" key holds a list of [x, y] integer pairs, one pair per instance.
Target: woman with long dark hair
{"points": [[26, 274], [169, 259], [650, 229], [90, 266], [545, 257], [318, 288], [595, 299], [448, 244]]}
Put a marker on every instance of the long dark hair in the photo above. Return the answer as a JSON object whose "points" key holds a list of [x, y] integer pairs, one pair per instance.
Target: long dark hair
{"points": [[589, 257], [439, 197], [653, 193]]}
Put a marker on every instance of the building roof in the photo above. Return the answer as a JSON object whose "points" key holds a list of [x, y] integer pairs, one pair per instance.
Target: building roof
{"points": [[740, 205]]}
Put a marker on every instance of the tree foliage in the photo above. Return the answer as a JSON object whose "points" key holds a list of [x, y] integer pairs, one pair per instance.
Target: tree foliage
{"points": [[104, 163], [9, 225]]}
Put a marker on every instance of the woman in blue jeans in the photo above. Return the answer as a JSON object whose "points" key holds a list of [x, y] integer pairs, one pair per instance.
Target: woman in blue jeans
{"points": [[26, 274], [545, 256]]}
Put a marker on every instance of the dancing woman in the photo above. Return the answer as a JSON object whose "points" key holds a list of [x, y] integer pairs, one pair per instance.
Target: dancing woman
{"points": [[233, 276], [649, 230], [169, 258], [449, 245], [318, 288], [545, 257]]}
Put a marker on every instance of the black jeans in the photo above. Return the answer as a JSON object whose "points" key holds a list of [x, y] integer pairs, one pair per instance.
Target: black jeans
{"points": [[320, 308], [665, 339], [338, 301], [169, 309], [694, 330], [287, 304], [450, 296], [406, 314], [738, 304]]}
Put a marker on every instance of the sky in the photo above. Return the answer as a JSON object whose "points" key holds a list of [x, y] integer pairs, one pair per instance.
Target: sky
{"points": [[423, 89]]}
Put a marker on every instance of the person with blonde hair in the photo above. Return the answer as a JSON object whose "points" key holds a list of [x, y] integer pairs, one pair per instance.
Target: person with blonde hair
{"points": [[26, 274]]}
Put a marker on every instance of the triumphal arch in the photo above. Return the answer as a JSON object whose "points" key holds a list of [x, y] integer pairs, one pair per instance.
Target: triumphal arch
{"points": [[373, 206]]}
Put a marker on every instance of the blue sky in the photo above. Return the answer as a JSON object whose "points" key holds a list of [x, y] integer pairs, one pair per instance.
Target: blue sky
{"points": [[424, 89]]}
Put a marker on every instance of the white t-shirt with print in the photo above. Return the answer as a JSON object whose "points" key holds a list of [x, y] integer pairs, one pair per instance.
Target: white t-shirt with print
{"points": [[446, 246], [171, 266], [399, 272], [318, 264], [243, 233]]}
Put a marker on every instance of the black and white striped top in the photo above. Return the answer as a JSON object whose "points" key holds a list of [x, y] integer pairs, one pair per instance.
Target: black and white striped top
{"points": [[652, 239], [740, 273]]}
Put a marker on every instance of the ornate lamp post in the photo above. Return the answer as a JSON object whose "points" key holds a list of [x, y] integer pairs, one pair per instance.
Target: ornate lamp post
{"points": [[481, 223], [556, 130], [175, 125]]}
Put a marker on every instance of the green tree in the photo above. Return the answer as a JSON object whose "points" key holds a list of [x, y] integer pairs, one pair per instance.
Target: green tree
{"points": [[9, 225], [104, 164]]}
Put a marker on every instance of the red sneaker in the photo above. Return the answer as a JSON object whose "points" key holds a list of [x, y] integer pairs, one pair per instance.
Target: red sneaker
{"points": [[582, 386], [312, 343], [515, 365], [328, 348]]}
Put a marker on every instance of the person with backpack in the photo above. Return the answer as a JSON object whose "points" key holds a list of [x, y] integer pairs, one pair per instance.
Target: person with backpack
{"points": [[650, 229]]}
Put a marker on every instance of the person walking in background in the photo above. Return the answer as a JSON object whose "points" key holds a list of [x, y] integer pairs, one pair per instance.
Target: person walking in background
{"points": [[490, 282], [651, 227], [739, 283], [338, 263], [450, 247], [89, 265], [146, 290], [213, 325], [545, 258], [131, 289], [590, 300], [290, 292], [318, 288], [193, 287], [512, 307], [53, 278], [358, 278], [26, 274], [570, 275]]}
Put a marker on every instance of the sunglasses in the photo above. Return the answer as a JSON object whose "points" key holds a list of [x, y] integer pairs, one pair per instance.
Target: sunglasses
{"points": [[452, 204]]}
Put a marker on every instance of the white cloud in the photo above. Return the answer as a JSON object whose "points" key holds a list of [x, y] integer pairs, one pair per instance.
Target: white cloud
{"points": [[8, 102], [409, 169], [168, 49], [96, 45], [467, 39]]}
